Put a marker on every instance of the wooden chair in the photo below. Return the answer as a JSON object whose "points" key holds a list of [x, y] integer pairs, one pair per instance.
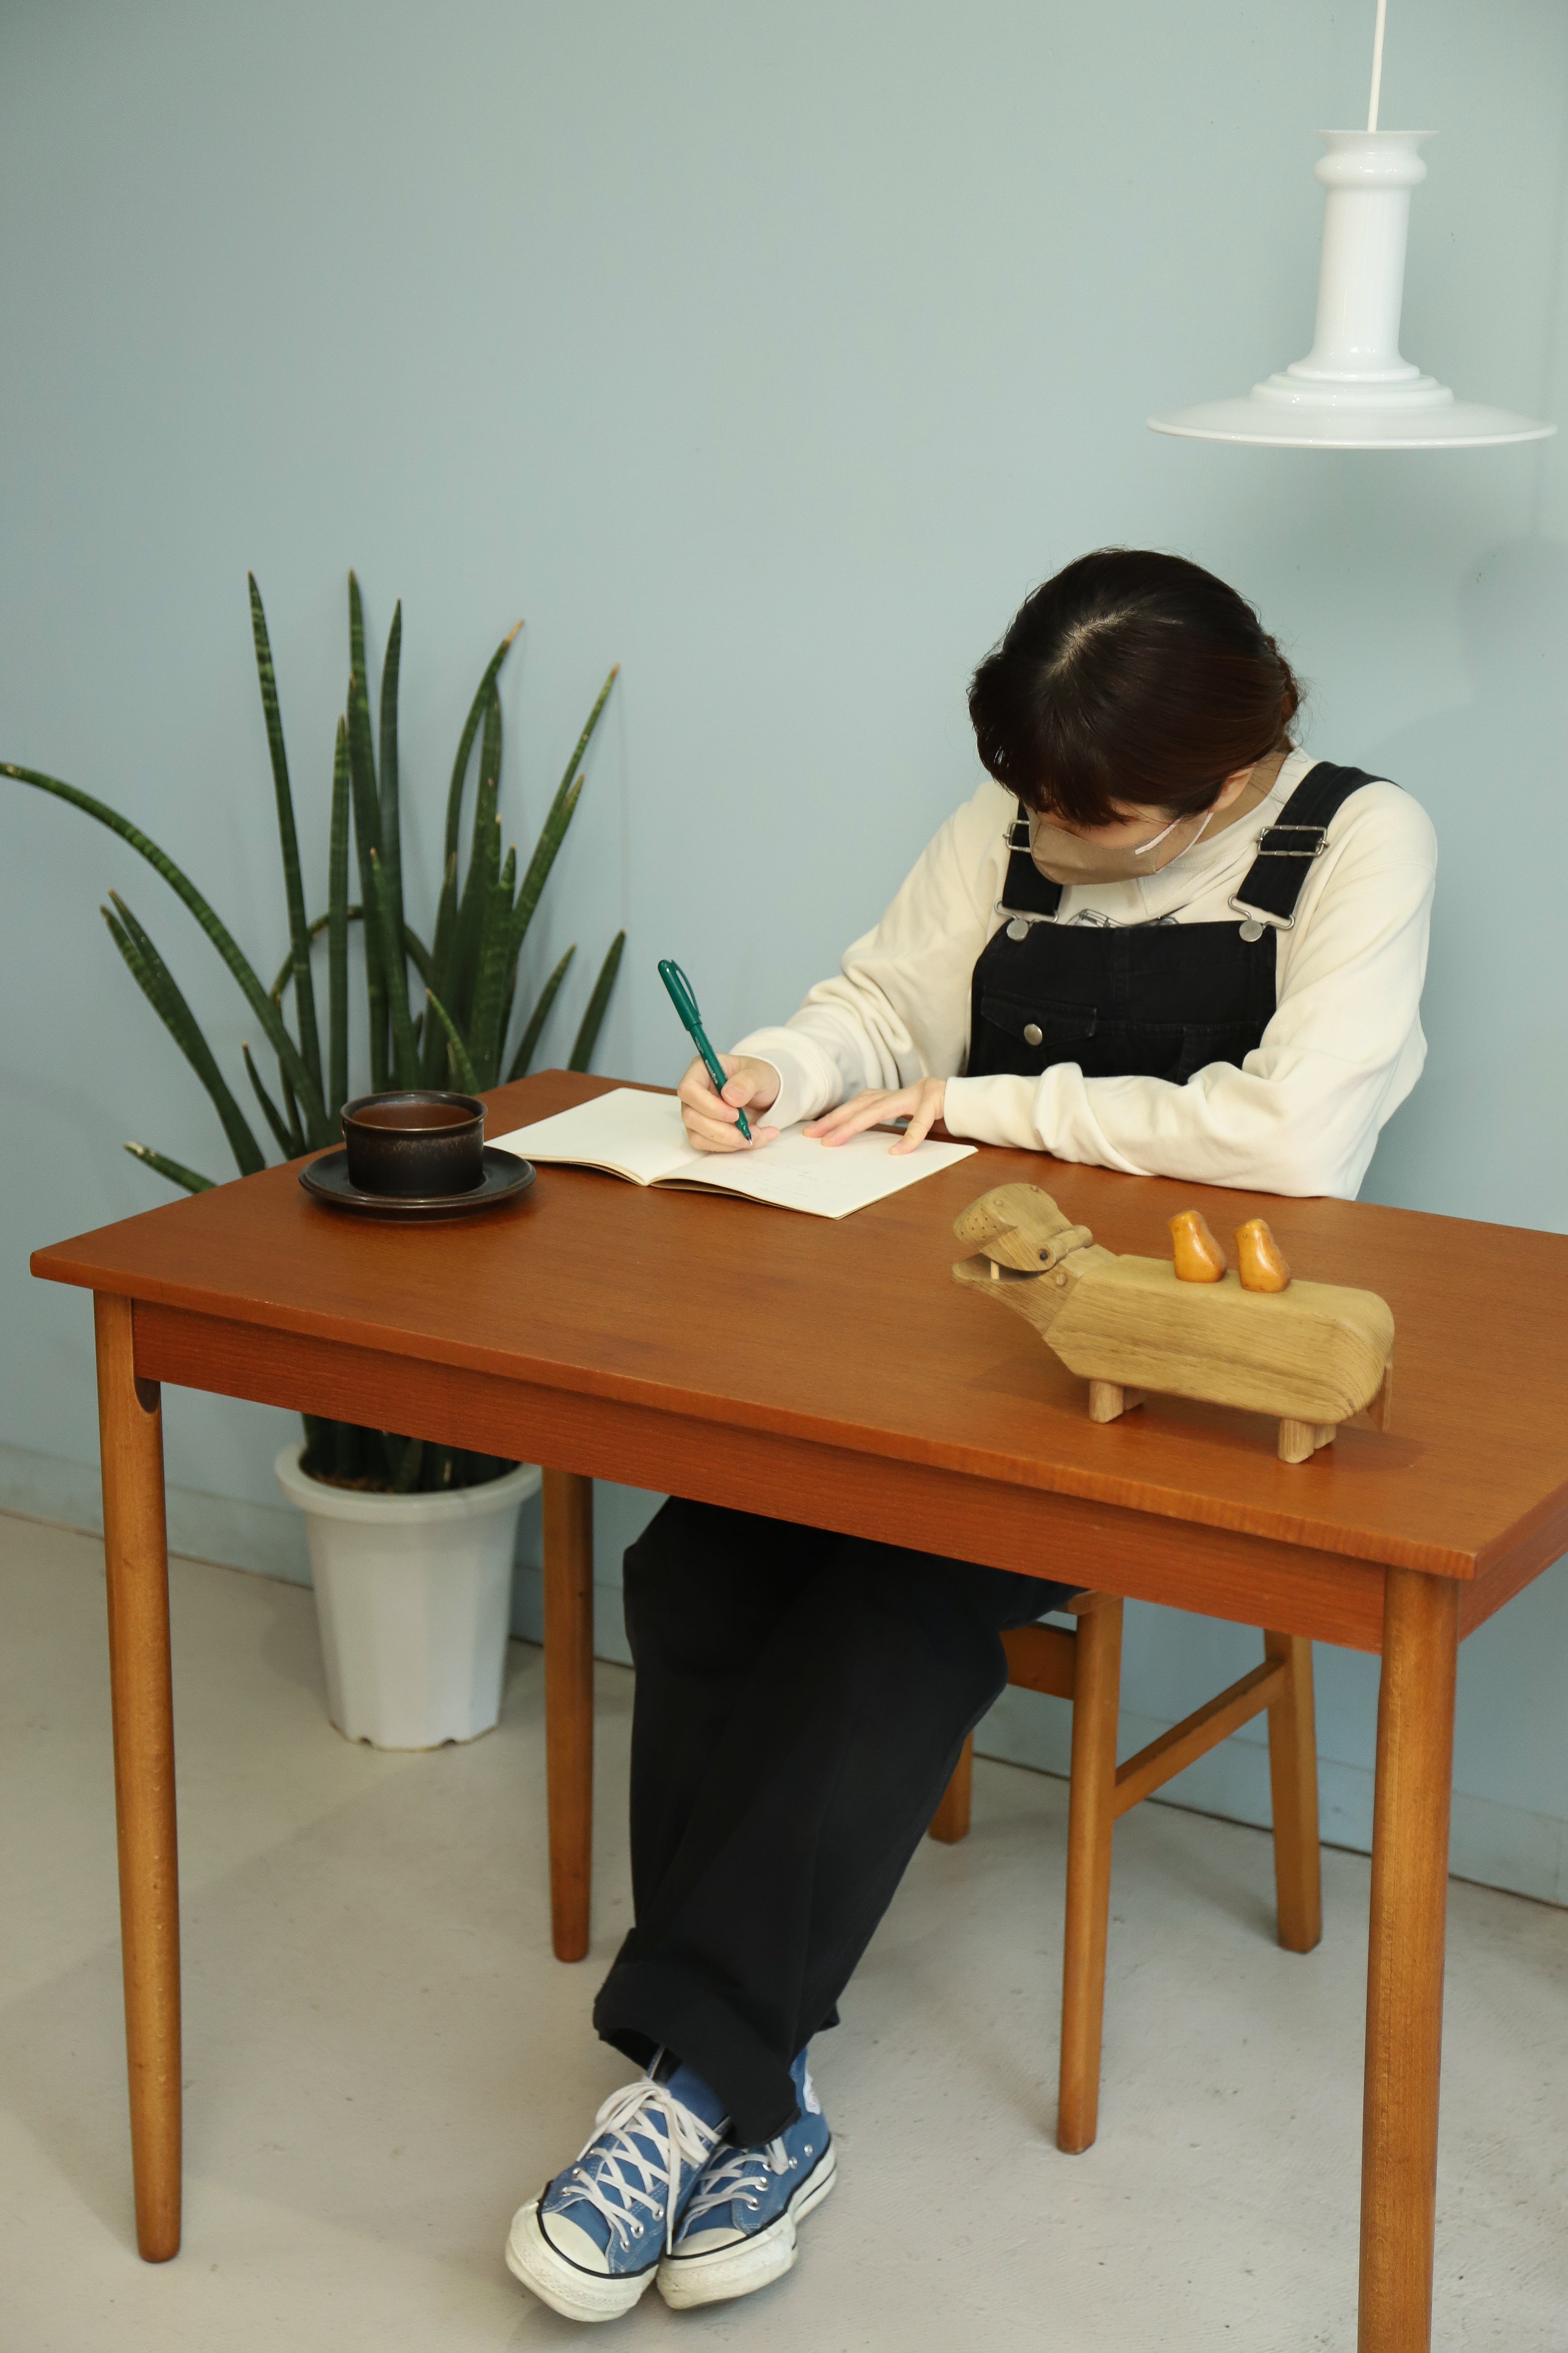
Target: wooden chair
{"points": [[1083, 1664]]}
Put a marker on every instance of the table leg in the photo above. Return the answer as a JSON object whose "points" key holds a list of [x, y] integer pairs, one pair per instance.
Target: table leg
{"points": [[1405, 1970], [569, 1703], [130, 1438], [1091, 1819]]}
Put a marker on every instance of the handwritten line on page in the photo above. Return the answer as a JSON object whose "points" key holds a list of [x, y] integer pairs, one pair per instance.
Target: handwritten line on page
{"points": [[640, 1137]]}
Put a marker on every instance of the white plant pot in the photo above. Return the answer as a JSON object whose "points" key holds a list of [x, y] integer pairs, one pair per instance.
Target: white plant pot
{"points": [[413, 1597]]}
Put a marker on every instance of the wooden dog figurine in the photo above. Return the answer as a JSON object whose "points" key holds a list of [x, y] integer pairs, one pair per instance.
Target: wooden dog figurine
{"points": [[1308, 1353]]}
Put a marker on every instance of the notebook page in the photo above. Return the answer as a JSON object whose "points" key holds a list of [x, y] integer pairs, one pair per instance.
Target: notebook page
{"points": [[799, 1172], [630, 1134]]}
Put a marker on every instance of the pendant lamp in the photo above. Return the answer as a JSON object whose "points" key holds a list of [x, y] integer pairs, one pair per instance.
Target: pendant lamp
{"points": [[1353, 390]]}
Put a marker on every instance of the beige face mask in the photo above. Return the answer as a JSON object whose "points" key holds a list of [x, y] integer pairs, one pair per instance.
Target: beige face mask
{"points": [[1064, 857]]}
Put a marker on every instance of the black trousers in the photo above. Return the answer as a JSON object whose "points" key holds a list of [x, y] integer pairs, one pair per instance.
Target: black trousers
{"points": [[801, 1699]]}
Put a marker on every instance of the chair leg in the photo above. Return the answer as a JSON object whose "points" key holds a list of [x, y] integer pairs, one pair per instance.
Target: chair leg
{"points": [[1091, 1818], [1293, 1774], [951, 1821]]}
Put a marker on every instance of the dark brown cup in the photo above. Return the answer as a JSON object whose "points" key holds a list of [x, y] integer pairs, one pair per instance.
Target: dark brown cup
{"points": [[415, 1143]]}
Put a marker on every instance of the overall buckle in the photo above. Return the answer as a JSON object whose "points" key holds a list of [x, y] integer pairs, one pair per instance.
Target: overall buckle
{"points": [[1319, 840]]}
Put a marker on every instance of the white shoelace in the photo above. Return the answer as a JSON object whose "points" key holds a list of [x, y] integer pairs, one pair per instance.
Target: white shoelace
{"points": [[679, 2137], [743, 2174]]}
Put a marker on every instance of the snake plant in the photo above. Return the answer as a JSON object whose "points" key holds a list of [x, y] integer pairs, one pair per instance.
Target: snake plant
{"points": [[439, 1015]]}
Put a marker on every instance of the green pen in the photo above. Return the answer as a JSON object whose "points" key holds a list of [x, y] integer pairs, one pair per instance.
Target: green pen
{"points": [[685, 1004]]}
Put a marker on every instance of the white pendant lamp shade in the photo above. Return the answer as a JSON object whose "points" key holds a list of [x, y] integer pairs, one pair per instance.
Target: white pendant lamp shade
{"points": [[1353, 390]]}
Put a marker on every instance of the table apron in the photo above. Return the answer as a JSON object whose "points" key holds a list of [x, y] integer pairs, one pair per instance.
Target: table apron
{"points": [[1217, 1572]]}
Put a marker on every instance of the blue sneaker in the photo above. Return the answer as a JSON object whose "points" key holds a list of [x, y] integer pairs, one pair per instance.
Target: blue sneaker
{"points": [[591, 2243], [738, 2230]]}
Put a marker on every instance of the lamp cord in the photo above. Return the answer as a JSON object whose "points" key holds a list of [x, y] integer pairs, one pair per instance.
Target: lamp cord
{"points": [[1376, 66]]}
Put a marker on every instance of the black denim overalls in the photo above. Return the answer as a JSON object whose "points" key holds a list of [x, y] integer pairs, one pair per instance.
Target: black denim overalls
{"points": [[1155, 1000]]}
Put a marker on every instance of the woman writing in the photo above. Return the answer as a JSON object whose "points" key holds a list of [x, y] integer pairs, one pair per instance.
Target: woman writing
{"points": [[1158, 938]]}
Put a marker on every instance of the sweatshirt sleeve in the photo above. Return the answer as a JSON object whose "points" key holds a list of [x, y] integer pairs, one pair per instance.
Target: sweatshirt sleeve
{"points": [[898, 1008], [1343, 1049]]}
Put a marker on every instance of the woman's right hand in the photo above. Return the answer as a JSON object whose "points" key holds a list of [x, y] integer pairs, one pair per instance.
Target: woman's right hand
{"points": [[712, 1120]]}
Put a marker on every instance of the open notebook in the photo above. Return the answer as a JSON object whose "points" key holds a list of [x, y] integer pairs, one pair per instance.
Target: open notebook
{"points": [[639, 1136]]}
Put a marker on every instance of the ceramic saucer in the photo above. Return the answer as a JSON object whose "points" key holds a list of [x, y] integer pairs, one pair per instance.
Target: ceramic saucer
{"points": [[506, 1179]]}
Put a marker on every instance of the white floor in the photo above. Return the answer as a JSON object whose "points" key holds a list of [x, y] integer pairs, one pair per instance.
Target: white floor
{"points": [[382, 2058]]}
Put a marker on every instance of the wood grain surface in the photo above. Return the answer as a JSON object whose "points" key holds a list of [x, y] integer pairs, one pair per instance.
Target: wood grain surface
{"points": [[1314, 1352], [1404, 1965], [131, 1435], [851, 1337]]}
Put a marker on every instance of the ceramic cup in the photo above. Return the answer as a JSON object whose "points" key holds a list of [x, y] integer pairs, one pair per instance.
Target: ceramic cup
{"points": [[415, 1143]]}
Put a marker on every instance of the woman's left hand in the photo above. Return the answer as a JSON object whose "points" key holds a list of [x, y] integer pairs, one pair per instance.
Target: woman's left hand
{"points": [[920, 1105]]}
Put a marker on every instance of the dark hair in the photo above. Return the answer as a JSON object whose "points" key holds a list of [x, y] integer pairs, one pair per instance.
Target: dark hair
{"points": [[1132, 680]]}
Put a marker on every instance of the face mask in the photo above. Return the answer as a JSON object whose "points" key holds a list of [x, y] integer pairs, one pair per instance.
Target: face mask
{"points": [[1064, 857]]}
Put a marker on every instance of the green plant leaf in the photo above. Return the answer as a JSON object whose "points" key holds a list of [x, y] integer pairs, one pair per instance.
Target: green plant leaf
{"points": [[352, 1448], [598, 1005], [414, 948], [288, 842], [552, 834], [161, 991], [367, 836], [291, 1114], [266, 1012], [338, 913], [465, 745], [290, 1147], [319, 1435], [406, 1478], [404, 1054], [484, 864], [586, 737], [175, 1170], [389, 851], [438, 976], [528, 1043], [492, 991], [462, 1067]]}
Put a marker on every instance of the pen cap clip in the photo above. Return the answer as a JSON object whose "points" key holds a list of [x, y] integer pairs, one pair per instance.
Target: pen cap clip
{"points": [[679, 988]]}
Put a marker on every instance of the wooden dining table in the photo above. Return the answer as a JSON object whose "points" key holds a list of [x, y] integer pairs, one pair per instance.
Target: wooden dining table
{"points": [[833, 1372]]}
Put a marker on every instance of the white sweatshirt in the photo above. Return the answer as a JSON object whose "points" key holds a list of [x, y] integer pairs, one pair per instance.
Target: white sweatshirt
{"points": [[1302, 1113]]}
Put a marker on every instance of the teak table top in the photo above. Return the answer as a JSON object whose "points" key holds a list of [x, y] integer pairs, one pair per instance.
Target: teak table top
{"points": [[852, 1335]]}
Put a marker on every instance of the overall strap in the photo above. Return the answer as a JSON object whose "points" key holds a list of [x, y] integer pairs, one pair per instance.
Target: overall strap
{"points": [[1272, 884], [1026, 891], [1269, 890]]}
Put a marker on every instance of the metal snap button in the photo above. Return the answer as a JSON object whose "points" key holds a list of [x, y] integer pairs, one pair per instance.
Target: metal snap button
{"points": [[1251, 930], [1033, 1033], [1017, 929]]}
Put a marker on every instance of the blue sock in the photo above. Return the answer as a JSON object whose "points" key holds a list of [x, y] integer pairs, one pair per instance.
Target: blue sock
{"points": [[694, 2092]]}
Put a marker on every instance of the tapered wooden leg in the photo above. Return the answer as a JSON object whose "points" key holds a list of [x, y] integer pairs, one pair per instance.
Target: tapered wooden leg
{"points": [[1108, 1400], [1091, 1818], [951, 1821], [136, 1560], [1293, 1774], [1404, 1969], [569, 1703]]}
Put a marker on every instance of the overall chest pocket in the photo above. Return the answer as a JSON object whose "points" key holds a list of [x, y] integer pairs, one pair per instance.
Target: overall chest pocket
{"points": [[1040, 1031]]}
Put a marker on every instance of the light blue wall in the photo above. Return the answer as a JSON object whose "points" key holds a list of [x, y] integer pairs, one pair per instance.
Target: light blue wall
{"points": [[776, 353]]}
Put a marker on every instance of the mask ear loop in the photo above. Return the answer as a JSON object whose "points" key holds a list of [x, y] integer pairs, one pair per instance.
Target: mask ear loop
{"points": [[1144, 848]]}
